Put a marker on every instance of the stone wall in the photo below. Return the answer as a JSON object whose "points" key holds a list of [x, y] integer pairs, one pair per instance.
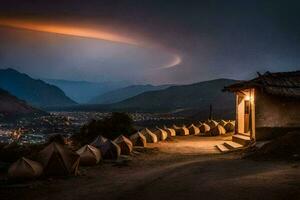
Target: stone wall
{"points": [[273, 113]]}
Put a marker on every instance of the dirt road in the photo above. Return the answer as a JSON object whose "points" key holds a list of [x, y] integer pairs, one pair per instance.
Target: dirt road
{"points": [[159, 174]]}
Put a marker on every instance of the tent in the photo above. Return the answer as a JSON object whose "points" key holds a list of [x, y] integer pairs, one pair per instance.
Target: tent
{"points": [[181, 130], [98, 141], [125, 144], [204, 128], [138, 139], [223, 123], [193, 130], [25, 168], [89, 155], [110, 150], [198, 124], [58, 160], [217, 130], [229, 127], [212, 123], [170, 131], [150, 137], [161, 134]]}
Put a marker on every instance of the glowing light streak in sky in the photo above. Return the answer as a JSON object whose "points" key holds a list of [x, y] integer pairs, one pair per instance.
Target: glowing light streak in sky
{"points": [[79, 32]]}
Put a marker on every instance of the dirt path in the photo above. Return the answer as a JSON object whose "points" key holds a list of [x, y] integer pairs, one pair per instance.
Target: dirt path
{"points": [[163, 173]]}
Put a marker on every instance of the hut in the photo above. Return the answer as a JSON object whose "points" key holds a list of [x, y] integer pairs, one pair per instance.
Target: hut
{"points": [[204, 128], [25, 168], [161, 134], [58, 160], [267, 106], [138, 139], [193, 130], [110, 150], [89, 155], [217, 130], [150, 137], [125, 144]]}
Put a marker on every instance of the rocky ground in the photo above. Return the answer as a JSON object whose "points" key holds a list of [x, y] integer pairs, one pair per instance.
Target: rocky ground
{"points": [[184, 168]]}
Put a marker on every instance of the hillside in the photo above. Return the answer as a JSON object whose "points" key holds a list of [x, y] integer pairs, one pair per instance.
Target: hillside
{"points": [[35, 92], [11, 107], [125, 93], [84, 91], [185, 99]]}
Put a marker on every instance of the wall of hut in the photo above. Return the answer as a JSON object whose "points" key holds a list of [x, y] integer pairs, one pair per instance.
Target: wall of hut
{"points": [[275, 115]]}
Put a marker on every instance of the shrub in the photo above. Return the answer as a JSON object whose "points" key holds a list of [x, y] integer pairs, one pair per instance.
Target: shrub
{"points": [[110, 127]]}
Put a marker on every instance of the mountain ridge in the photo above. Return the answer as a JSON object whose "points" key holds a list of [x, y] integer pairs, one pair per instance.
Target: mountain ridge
{"points": [[34, 91], [125, 93], [11, 107]]}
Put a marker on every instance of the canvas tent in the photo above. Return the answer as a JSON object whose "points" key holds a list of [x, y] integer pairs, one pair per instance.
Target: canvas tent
{"points": [[193, 130], [212, 123], [217, 130], [89, 155], [170, 131], [198, 124], [125, 144], [204, 128], [223, 123], [25, 168], [138, 139], [181, 130], [229, 127], [150, 137], [161, 134], [110, 150], [58, 160], [98, 141]]}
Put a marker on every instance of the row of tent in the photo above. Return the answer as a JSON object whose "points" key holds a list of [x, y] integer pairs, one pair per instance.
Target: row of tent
{"points": [[208, 128], [58, 160]]}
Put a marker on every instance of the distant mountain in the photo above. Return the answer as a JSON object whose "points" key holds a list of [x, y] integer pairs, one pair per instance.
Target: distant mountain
{"points": [[11, 107], [125, 93], [191, 100], [185, 99], [35, 92], [84, 91]]}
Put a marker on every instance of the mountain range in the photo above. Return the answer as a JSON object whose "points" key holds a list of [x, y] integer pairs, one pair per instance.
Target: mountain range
{"points": [[125, 93], [11, 107], [182, 97], [34, 92], [84, 91], [184, 100]]}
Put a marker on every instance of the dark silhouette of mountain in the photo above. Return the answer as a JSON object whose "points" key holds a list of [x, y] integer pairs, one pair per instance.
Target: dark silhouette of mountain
{"points": [[125, 93], [35, 92], [190, 100], [84, 91], [11, 107]]}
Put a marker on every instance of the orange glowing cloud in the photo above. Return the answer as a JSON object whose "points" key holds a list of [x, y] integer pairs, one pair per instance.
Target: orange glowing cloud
{"points": [[72, 30], [66, 30]]}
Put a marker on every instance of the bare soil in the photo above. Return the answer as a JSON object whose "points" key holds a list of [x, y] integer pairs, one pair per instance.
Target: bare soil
{"points": [[184, 168]]}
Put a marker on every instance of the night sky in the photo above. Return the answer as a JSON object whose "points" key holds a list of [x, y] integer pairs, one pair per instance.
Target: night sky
{"points": [[149, 41]]}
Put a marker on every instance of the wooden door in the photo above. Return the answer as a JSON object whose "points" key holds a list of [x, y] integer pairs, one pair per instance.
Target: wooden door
{"points": [[247, 116]]}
